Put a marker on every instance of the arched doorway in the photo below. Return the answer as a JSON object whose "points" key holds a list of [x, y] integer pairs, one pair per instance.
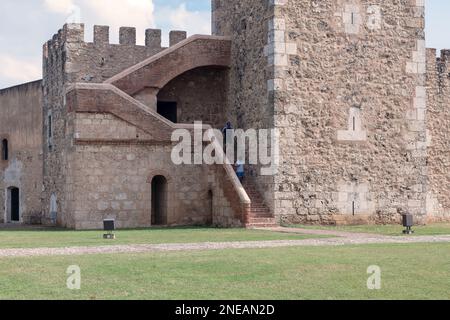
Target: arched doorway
{"points": [[13, 209], [159, 201]]}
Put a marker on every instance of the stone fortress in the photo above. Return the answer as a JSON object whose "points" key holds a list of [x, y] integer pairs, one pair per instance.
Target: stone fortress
{"points": [[362, 108]]}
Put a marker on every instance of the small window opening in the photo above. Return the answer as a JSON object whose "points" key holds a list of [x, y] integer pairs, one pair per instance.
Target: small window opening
{"points": [[50, 132], [50, 129], [5, 152], [168, 110]]}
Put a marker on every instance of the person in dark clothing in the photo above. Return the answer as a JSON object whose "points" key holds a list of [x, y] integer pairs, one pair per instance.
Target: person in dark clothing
{"points": [[227, 127]]}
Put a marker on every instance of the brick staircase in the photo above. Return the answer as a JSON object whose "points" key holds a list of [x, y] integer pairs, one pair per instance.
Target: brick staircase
{"points": [[260, 215]]}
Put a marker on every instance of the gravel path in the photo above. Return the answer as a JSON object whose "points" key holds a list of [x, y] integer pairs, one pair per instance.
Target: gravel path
{"points": [[319, 232], [343, 239]]}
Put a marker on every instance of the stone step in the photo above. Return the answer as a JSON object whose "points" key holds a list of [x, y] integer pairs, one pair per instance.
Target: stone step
{"points": [[259, 208], [252, 223], [261, 225], [255, 193], [259, 215], [261, 220], [261, 212], [259, 199], [258, 205], [256, 196]]}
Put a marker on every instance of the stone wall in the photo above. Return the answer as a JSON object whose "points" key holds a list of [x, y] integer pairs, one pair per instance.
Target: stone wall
{"points": [[438, 125], [350, 105], [344, 82], [106, 147], [98, 61], [352, 149], [112, 167], [21, 125], [250, 102], [105, 126], [228, 209], [57, 143], [200, 94], [67, 59], [114, 181]]}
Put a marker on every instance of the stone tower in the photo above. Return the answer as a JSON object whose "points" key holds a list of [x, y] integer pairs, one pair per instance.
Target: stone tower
{"points": [[438, 125], [107, 136], [68, 59], [344, 81]]}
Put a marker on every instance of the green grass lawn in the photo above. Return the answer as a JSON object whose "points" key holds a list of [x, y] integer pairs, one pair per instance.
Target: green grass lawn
{"points": [[389, 230], [64, 238], [419, 271]]}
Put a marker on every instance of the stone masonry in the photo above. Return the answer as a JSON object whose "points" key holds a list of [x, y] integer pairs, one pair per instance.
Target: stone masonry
{"points": [[360, 105], [345, 83], [21, 127]]}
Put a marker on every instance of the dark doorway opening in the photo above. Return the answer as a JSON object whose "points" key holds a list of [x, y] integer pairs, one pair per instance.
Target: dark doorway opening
{"points": [[15, 205], [5, 152], [168, 110], [159, 201]]}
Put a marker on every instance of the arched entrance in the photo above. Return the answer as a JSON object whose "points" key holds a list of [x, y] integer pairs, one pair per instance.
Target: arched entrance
{"points": [[159, 201], [13, 205]]}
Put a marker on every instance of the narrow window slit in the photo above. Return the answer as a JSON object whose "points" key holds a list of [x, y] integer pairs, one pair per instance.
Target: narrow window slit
{"points": [[5, 151], [50, 133]]}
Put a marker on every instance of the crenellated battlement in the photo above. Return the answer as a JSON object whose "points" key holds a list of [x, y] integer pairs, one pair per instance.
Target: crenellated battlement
{"points": [[443, 62], [75, 33], [100, 59], [438, 72], [439, 63], [176, 37], [445, 54]]}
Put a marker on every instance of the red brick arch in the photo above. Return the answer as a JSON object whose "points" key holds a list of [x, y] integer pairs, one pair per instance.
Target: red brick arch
{"points": [[155, 72]]}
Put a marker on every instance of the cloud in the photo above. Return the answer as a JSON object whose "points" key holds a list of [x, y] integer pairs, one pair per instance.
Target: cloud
{"points": [[180, 18], [59, 6], [20, 55], [135, 13], [17, 70], [113, 13], [118, 13], [191, 21]]}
